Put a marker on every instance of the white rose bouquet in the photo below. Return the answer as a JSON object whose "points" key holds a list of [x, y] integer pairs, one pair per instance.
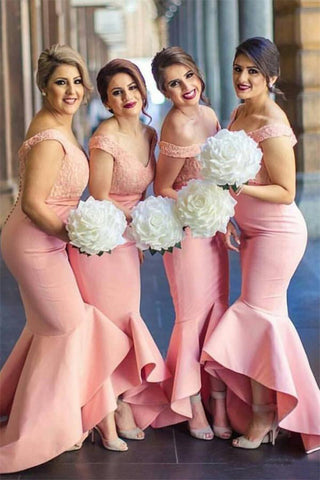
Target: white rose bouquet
{"points": [[204, 207], [96, 226], [230, 158], [155, 225]]}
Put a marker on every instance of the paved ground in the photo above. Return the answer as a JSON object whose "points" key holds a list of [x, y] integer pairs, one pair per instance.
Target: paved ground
{"points": [[170, 453]]}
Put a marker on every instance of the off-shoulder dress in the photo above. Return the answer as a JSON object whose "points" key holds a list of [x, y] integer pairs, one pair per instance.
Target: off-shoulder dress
{"points": [[255, 339]]}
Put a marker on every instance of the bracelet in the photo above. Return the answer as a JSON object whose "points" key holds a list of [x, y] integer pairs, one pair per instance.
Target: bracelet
{"points": [[239, 190]]}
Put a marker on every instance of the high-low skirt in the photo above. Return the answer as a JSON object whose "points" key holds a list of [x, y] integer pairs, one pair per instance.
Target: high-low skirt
{"points": [[56, 383], [255, 338], [199, 283], [111, 283]]}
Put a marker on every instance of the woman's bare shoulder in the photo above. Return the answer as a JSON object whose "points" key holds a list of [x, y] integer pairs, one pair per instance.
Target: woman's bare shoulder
{"points": [[208, 112], [40, 122], [175, 130], [107, 127], [273, 114], [151, 132]]}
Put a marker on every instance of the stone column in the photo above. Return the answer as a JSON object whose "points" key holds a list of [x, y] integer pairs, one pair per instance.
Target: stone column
{"points": [[297, 36], [211, 54], [174, 30], [255, 18], [228, 21], [198, 36], [188, 27]]}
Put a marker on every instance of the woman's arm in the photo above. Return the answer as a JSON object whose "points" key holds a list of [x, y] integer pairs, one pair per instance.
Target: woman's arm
{"points": [[278, 157], [42, 166], [167, 170], [231, 237], [100, 178]]}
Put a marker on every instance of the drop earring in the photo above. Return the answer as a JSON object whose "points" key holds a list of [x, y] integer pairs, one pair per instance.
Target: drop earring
{"points": [[43, 94]]}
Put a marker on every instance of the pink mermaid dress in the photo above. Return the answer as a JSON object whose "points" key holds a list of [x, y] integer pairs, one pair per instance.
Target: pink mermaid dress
{"points": [[111, 282], [56, 383], [198, 277], [255, 339]]}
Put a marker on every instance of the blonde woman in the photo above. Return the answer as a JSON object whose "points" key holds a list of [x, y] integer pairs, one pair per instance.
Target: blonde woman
{"points": [[55, 382]]}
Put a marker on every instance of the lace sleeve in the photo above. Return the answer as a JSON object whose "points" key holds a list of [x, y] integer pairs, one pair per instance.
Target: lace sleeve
{"points": [[104, 143], [272, 131], [172, 150], [50, 134]]}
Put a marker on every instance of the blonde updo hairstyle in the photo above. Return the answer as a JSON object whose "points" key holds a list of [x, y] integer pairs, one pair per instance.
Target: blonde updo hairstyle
{"points": [[57, 55], [172, 56]]}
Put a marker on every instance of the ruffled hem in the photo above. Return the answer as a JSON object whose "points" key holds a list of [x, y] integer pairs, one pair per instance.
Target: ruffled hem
{"points": [[251, 343], [55, 388], [112, 283], [184, 360], [140, 375]]}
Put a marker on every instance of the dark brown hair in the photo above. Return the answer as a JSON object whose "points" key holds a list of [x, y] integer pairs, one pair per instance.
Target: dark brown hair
{"points": [[264, 55], [121, 65], [173, 56]]}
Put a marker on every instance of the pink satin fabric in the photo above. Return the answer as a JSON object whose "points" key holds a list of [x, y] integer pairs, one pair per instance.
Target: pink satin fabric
{"points": [[56, 383], [198, 276], [255, 339], [111, 282]]}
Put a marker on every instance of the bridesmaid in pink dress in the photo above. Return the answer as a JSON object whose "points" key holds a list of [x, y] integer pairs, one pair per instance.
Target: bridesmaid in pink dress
{"points": [[197, 273], [56, 384], [255, 345], [122, 166]]}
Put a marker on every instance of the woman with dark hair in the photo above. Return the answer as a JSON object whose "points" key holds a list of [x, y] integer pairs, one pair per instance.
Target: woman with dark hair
{"points": [[55, 382], [122, 165], [198, 272], [265, 367]]}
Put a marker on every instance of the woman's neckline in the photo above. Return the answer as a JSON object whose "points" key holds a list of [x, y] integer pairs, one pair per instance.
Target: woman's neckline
{"points": [[126, 151], [41, 132]]}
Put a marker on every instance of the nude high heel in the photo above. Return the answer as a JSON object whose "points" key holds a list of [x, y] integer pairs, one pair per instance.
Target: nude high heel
{"points": [[132, 434], [269, 437], [116, 445], [221, 432], [200, 433]]}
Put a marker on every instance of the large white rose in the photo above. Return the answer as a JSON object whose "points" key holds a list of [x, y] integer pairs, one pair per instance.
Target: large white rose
{"points": [[155, 225], [230, 158], [96, 226], [204, 207]]}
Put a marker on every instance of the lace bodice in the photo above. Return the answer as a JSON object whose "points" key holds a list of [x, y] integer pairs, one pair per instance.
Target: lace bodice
{"points": [[191, 166], [129, 175], [74, 173], [267, 131], [270, 131]]}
